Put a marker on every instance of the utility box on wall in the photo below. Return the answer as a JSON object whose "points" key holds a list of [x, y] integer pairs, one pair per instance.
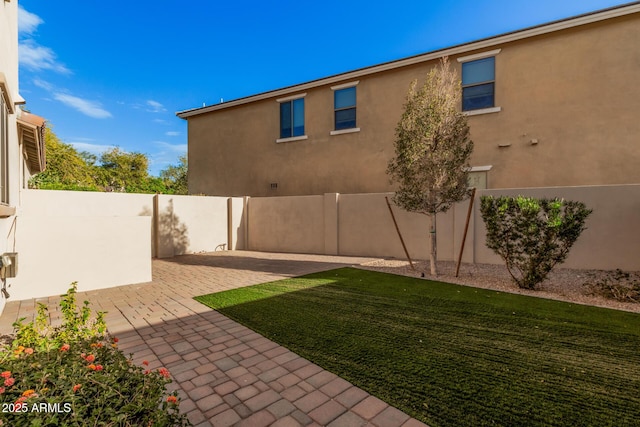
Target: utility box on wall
{"points": [[9, 262]]}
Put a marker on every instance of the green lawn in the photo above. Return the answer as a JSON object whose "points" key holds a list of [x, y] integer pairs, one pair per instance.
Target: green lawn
{"points": [[452, 355]]}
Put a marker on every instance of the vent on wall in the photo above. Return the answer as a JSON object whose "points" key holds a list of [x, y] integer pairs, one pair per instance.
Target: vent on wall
{"points": [[274, 185]]}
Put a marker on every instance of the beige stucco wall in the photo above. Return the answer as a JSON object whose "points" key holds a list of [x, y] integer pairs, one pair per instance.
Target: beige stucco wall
{"points": [[62, 237], [286, 224], [85, 203], [364, 227], [9, 67], [9, 42], [570, 90], [612, 237], [237, 223], [191, 224], [97, 252], [107, 239], [351, 224], [186, 224], [98, 239]]}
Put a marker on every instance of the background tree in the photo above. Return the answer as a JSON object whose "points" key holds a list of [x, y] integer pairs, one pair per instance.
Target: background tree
{"points": [[123, 171], [432, 149], [66, 168], [113, 170], [175, 177]]}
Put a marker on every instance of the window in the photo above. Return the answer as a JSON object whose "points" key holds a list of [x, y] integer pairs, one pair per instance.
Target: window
{"points": [[478, 84], [292, 118], [4, 148], [344, 104]]}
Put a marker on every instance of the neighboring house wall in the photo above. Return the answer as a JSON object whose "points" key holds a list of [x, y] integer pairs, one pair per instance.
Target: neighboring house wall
{"points": [[568, 116]]}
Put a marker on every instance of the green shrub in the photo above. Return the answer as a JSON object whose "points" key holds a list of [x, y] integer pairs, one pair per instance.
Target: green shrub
{"points": [[75, 375], [532, 235], [617, 285]]}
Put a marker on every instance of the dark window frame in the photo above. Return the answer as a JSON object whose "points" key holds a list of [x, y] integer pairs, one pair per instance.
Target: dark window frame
{"points": [[288, 128], [350, 123], [467, 100]]}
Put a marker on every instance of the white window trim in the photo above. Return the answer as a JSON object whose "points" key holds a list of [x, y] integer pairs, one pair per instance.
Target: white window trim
{"points": [[293, 138], [4, 87], [482, 55], [345, 85], [340, 87], [479, 55], [291, 98], [480, 168], [287, 99], [343, 131], [482, 111]]}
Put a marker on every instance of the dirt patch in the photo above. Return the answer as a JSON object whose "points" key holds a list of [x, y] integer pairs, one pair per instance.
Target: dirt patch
{"points": [[563, 284]]}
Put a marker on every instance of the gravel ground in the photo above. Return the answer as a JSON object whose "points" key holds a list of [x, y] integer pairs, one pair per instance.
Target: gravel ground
{"points": [[563, 283]]}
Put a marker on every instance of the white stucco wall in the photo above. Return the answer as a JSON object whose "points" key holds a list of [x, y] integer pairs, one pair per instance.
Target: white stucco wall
{"points": [[97, 239], [97, 252], [107, 239], [191, 224], [9, 70]]}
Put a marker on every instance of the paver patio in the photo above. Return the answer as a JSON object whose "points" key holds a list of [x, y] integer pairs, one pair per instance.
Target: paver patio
{"points": [[226, 374]]}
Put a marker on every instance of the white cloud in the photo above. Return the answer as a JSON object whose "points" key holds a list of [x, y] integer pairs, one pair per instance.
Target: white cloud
{"points": [[32, 55], [86, 107], [43, 84], [174, 148], [81, 138], [155, 107], [166, 155], [96, 149], [172, 133], [35, 57], [27, 22]]}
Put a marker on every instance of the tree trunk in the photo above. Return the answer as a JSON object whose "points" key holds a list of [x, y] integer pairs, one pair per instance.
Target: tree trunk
{"points": [[434, 248]]}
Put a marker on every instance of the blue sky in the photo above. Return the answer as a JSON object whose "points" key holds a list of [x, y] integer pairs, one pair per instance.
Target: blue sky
{"points": [[114, 73]]}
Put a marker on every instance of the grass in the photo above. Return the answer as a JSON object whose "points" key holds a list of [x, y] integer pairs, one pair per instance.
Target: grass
{"points": [[452, 355]]}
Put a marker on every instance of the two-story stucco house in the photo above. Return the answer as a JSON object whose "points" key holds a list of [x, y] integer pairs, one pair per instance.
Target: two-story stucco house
{"points": [[21, 138], [552, 105]]}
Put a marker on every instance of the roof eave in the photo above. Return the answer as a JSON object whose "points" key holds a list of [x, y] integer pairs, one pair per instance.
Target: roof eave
{"points": [[538, 30]]}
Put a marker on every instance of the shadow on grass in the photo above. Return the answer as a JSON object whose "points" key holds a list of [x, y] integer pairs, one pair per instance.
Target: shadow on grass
{"points": [[452, 355]]}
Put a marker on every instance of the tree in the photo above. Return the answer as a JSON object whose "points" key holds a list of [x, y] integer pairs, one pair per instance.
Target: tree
{"points": [[123, 171], [432, 149], [113, 170], [175, 177], [66, 168]]}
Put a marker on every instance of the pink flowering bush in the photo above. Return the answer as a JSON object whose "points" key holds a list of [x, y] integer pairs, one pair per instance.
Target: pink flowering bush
{"points": [[74, 374]]}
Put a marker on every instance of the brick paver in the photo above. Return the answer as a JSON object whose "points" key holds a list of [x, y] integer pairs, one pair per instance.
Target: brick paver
{"points": [[226, 374]]}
